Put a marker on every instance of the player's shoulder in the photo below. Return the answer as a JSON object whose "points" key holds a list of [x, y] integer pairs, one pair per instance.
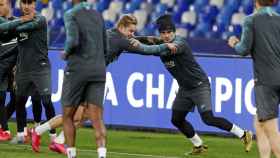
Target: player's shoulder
{"points": [[69, 12], [180, 39], [114, 33], [78, 7], [73, 11], [249, 19], [40, 18]]}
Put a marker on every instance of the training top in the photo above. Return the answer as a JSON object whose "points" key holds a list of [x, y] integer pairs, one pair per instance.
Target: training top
{"points": [[85, 41], [260, 38]]}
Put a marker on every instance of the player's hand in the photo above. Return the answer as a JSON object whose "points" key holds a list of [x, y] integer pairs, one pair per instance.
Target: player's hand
{"points": [[172, 47], [25, 18], [152, 39], [63, 55], [134, 42], [28, 17], [232, 41]]}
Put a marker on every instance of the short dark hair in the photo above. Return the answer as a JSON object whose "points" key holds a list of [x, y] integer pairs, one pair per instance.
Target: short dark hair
{"points": [[267, 2], [165, 23], [27, 1]]}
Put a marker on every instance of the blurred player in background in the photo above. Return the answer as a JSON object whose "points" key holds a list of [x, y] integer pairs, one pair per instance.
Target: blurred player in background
{"points": [[33, 66], [8, 56]]}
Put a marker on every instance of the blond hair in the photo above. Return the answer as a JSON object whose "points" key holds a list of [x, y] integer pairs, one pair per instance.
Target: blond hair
{"points": [[127, 20]]}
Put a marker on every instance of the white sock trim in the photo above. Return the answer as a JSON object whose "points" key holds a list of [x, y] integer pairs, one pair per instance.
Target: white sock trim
{"points": [[196, 140], [43, 128], [20, 134], [60, 139], [102, 152], [71, 152], [237, 131]]}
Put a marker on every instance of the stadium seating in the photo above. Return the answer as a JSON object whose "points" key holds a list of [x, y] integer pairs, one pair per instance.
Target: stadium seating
{"points": [[194, 18]]}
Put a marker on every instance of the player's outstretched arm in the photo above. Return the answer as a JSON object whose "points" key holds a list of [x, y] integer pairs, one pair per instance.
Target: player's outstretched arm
{"points": [[244, 46], [149, 40], [37, 23], [136, 47], [3, 20], [176, 47], [9, 25]]}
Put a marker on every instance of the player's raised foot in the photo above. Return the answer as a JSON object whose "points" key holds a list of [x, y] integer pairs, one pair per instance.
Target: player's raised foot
{"points": [[5, 136], [59, 148], [247, 140], [198, 150], [35, 141]]}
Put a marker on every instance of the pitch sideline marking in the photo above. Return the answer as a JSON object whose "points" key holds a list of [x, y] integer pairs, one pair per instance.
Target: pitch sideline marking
{"points": [[28, 147]]}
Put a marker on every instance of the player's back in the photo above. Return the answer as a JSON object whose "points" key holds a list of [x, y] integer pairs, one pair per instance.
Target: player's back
{"points": [[266, 49], [89, 53]]}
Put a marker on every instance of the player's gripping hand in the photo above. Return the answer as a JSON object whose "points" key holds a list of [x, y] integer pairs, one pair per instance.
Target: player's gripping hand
{"points": [[232, 41], [28, 17], [134, 42], [172, 47]]}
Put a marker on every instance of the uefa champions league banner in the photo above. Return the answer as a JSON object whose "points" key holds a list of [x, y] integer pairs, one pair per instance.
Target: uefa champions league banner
{"points": [[139, 91]]}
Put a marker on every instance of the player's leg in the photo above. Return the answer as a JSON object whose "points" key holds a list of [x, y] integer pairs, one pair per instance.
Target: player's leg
{"points": [[53, 123], [57, 121], [267, 101], [222, 123], [36, 133], [21, 120], [36, 108], [58, 144], [72, 95], [182, 105], [69, 129], [202, 98], [11, 106], [3, 113], [24, 89], [43, 86], [5, 134], [185, 127], [80, 115], [262, 140], [272, 131], [96, 116], [50, 111], [3, 116], [94, 95]]}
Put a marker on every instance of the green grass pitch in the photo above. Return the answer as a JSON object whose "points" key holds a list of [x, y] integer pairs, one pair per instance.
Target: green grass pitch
{"points": [[132, 144]]}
